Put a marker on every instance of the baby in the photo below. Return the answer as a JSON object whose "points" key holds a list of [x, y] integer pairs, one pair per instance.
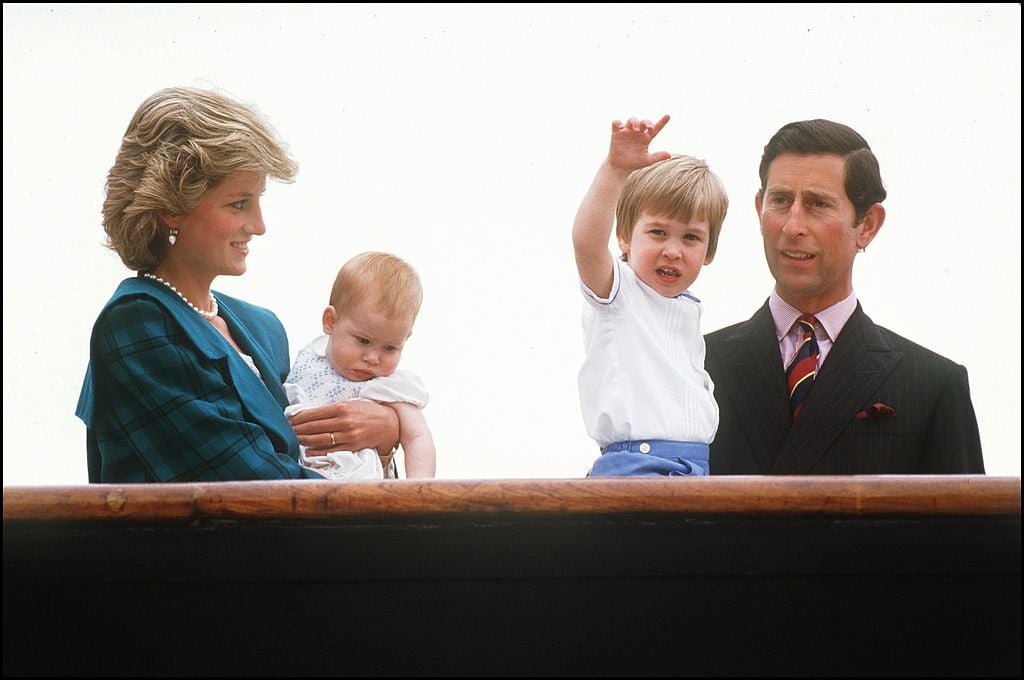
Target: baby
{"points": [[373, 304]]}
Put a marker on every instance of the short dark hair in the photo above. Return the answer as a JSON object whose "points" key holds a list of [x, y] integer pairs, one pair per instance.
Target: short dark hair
{"points": [[821, 137]]}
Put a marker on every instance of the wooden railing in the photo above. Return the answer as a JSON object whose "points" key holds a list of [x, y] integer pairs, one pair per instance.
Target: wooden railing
{"points": [[706, 576]]}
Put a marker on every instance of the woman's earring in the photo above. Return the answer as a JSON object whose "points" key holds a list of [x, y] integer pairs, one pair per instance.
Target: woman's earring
{"points": [[173, 237]]}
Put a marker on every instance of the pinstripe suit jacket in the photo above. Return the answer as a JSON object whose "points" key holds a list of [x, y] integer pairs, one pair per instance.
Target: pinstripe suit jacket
{"points": [[933, 431], [167, 399]]}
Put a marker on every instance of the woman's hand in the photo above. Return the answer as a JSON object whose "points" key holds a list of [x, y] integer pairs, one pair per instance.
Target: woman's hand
{"points": [[347, 426]]}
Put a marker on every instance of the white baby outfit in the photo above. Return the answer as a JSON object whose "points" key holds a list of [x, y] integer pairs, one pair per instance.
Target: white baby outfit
{"points": [[314, 382]]}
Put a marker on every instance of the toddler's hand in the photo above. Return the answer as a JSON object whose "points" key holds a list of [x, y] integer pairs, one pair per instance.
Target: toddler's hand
{"points": [[630, 141]]}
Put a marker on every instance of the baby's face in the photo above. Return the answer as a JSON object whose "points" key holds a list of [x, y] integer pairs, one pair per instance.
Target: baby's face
{"points": [[363, 343]]}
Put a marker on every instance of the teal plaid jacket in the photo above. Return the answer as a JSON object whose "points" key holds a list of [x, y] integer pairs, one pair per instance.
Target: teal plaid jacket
{"points": [[167, 399]]}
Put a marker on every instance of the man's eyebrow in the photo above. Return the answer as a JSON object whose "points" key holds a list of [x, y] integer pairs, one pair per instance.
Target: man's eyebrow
{"points": [[812, 192], [822, 193]]}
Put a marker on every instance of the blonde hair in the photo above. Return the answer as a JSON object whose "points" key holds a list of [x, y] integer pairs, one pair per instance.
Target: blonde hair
{"points": [[181, 142], [680, 188], [383, 280]]}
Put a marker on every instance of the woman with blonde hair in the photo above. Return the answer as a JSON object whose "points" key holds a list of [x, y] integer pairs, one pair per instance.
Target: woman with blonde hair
{"points": [[185, 383]]}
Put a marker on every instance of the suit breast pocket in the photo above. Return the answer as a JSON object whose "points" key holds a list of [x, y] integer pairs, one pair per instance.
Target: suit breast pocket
{"points": [[877, 446]]}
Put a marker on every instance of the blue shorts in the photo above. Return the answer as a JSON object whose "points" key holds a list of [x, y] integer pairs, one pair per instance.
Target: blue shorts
{"points": [[652, 457]]}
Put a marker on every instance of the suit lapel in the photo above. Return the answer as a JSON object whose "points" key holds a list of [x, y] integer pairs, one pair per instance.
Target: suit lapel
{"points": [[857, 365], [758, 394]]}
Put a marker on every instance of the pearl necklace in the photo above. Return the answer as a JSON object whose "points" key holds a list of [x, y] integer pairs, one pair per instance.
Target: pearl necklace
{"points": [[208, 315]]}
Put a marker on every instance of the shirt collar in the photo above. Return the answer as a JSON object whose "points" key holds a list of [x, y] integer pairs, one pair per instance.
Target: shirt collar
{"points": [[832, 319], [319, 345]]}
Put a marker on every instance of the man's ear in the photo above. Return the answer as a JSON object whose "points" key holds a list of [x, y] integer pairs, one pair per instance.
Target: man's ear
{"points": [[330, 318], [869, 225]]}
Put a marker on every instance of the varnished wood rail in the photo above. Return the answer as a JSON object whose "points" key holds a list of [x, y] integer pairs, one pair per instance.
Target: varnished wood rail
{"points": [[894, 576], [966, 495]]}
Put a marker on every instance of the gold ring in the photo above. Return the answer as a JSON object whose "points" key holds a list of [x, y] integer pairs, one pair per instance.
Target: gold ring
{"points": [[333, 443]]}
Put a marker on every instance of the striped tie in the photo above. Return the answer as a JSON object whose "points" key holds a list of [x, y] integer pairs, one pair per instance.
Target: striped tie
{"points": [[800, 374]]}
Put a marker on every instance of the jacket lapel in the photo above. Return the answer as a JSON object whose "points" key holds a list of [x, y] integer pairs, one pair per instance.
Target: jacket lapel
{"points": [[857, 365], [759, 393], [266, 409]]}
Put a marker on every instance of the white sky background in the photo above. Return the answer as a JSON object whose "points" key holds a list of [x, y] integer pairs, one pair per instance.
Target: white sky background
{"points": [[462, 138]]}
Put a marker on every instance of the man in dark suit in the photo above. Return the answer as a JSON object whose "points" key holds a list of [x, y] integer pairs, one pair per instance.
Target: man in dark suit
{"points": [[877, 403]]}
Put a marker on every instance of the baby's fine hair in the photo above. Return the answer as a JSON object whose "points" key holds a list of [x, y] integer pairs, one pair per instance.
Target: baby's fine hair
{"points": [[385, 281], [681, 188], [181, 142]]}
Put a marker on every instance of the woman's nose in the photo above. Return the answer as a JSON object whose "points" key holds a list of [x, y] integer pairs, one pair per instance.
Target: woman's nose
{"points": [[256, 225]]}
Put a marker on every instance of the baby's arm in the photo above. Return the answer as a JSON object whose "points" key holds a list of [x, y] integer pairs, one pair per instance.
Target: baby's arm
{"points": [[416, 439], [595, 218]]}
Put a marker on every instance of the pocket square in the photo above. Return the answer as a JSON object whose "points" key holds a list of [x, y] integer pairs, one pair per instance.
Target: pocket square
{"points": [[876, 411]]}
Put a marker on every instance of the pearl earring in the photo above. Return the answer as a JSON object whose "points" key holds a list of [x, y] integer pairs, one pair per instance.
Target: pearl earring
{"points": [[173, 237]]}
